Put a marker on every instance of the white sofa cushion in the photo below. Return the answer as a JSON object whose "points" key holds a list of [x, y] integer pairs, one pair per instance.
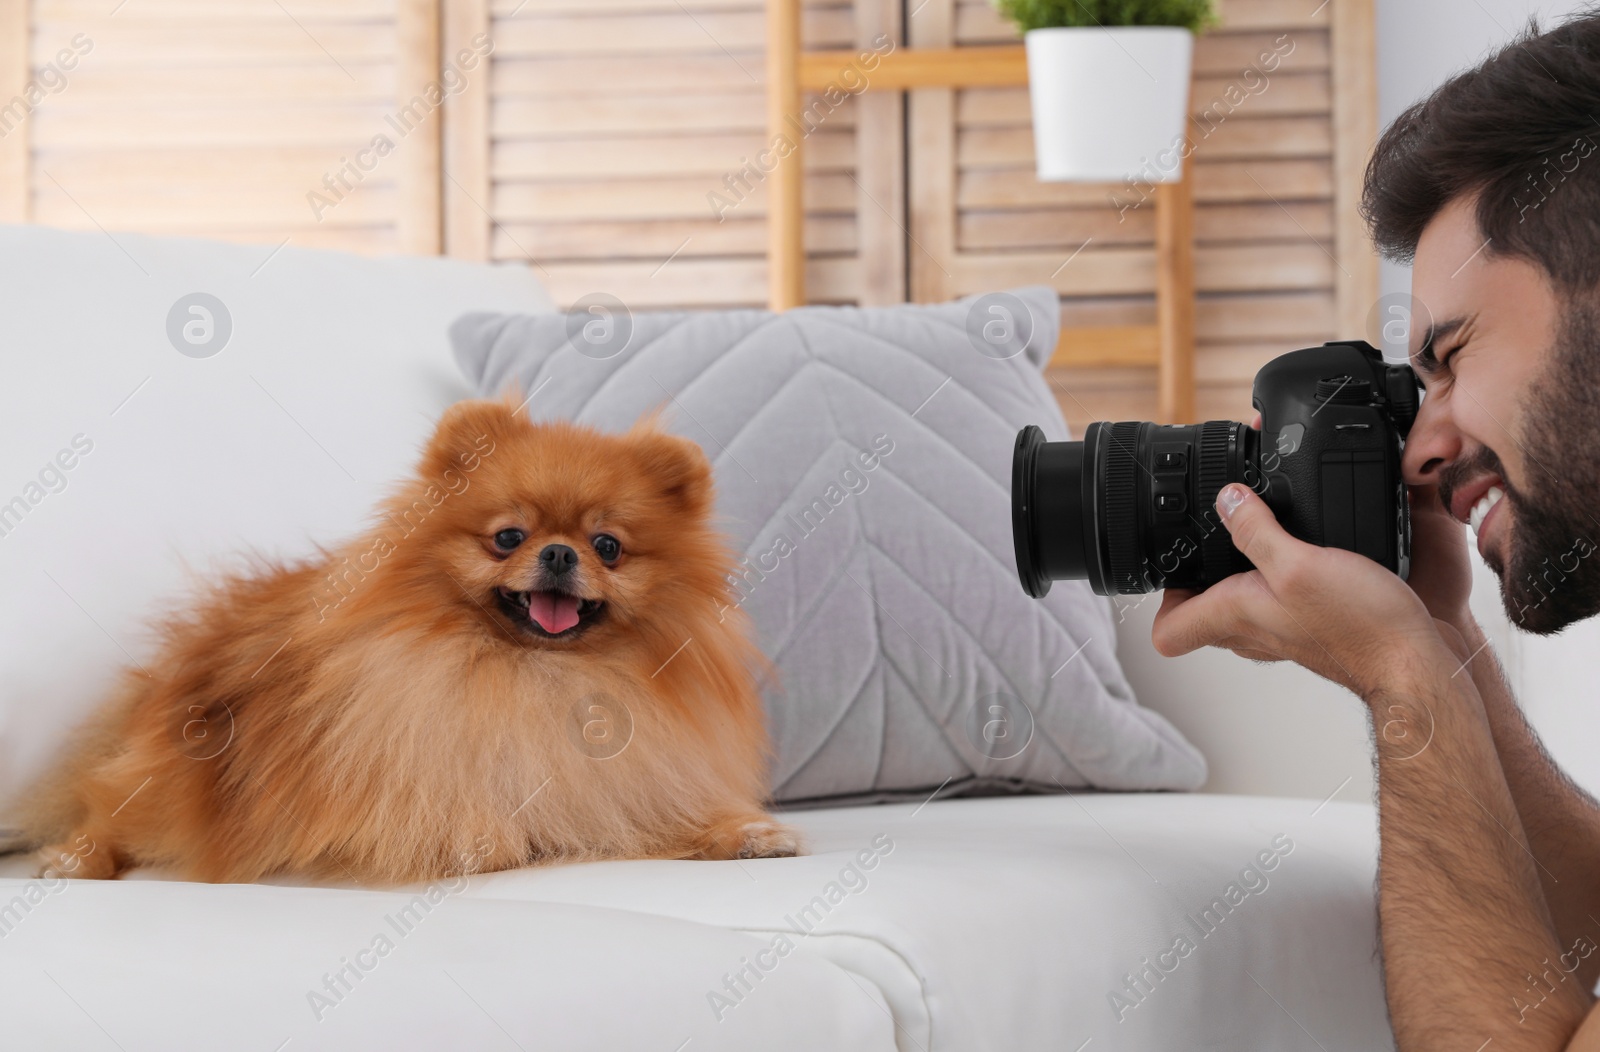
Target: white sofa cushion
{"points": [[1009, 925], [122, 460], [195, 967]]}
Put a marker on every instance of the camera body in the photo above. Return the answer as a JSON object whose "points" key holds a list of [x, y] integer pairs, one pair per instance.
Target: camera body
{"points": [[1131, 508]]}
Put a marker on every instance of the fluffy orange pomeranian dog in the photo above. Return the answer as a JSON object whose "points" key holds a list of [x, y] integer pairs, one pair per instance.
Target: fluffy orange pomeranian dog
{"points": [[532, 649]]}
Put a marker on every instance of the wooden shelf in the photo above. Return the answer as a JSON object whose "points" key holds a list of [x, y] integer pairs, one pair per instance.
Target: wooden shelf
{"points": [[908, 68], [1169, 345]]}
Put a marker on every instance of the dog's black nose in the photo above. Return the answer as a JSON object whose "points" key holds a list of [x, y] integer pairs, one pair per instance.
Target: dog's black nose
{"points": [[558, 559]]}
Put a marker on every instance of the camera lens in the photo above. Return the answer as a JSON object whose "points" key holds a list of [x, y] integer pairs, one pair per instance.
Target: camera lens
{"points": [[1045, 555], [1131, 508]]}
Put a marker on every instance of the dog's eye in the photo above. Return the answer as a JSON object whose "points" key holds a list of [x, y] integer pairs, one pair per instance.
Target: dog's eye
{"points": [[507, 540], [607, 547]]}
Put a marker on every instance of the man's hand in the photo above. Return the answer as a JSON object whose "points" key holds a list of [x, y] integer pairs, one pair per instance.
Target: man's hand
{"points": [[1332, 611], [1441, 570]]}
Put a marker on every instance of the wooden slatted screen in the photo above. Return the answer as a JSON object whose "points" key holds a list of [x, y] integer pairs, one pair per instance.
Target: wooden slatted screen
{"points": [[1274, 268], [614, 141], [222, 118], [601, 138]]}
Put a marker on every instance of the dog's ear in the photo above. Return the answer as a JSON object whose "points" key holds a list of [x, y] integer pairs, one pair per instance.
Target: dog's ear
{"points": [[676, 466], [469, 431]]}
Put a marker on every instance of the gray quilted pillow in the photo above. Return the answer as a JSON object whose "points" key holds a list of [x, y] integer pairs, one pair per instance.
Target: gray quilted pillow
{"points": [[863, 465]]}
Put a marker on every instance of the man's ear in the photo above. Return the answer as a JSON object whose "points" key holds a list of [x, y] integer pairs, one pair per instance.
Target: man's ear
{"points": [[676, 466], [469, 431]]}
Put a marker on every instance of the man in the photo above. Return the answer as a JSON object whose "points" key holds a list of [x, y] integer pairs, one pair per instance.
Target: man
{"points": [[1489, 885]]}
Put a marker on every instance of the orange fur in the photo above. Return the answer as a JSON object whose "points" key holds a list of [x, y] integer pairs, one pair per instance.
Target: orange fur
{"points": [[378, 715]]}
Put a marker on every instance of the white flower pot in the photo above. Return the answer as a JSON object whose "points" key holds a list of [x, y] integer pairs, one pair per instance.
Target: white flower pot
{"points": [[1109, 103]]}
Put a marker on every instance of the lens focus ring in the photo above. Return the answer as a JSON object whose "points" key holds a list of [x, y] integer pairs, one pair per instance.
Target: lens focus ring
{"points": [[1121, 446], [1217, 441]]}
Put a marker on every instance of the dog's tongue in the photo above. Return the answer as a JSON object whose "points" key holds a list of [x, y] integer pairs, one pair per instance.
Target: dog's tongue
{"points": [[554, 611]]}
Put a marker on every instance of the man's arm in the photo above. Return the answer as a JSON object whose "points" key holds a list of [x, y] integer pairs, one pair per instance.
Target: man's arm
{"points": [[1470, 951], [1562, 822], [1465, 926]]}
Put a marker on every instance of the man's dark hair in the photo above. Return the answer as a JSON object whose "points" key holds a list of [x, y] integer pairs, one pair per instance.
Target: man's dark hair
{"points": [[1523, 129]]}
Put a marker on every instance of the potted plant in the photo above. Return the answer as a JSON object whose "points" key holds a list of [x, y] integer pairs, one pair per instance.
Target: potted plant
{"points": [[1109, 82]]}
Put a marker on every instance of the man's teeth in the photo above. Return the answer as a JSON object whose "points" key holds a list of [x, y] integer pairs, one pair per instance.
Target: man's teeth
{"points": [[1480, 510]]}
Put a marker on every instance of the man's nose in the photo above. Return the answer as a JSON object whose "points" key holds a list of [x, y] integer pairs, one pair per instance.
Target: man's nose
{"points": [[1433, 444]]}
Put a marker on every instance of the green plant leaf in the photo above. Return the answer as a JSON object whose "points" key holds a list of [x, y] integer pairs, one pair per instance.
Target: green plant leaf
{"points": [[1194, 15]]}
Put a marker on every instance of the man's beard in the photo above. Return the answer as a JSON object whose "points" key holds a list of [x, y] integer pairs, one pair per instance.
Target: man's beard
{"points": [[1549, 579]]}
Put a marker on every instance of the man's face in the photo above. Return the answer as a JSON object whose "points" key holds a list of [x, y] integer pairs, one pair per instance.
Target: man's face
{"points": [[1513, 408]]}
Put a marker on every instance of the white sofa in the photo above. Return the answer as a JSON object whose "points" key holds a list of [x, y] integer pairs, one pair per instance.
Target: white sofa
{"points": [[1089, 921]]}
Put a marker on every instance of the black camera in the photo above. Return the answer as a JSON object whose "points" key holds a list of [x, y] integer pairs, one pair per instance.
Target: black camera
{"points": [[1131, 508]]}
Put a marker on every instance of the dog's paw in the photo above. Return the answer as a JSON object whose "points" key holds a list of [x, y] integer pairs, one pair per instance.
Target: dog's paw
{"points": [[71, 860], [767, 839]]}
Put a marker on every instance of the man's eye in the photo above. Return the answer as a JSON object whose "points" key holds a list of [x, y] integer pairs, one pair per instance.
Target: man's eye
{"points": [[1444, 358], [508, 540]]}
